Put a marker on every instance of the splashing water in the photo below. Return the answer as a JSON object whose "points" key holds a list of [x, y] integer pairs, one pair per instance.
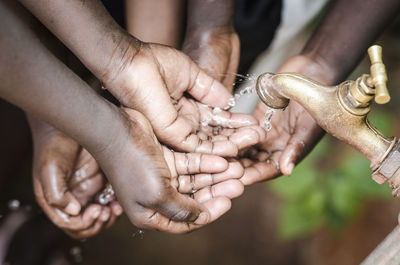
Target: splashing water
{"points": [[267, 121], [13, 205], [250, 88], [107, 195], [76, 254], [138, 234]]}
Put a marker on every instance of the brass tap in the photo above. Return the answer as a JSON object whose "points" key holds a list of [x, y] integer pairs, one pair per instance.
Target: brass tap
{"points": [[342, 110]]}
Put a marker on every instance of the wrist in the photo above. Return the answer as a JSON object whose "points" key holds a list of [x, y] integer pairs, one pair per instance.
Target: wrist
{"points": [[122, 51], [311, 66], [198, 31], [198, 37], [109, 136]]}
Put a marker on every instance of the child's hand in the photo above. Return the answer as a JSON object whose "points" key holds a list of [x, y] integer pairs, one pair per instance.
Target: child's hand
{"points": [[155, 186], [65, 179], [293, 135], [170, 90], [216, 51]]}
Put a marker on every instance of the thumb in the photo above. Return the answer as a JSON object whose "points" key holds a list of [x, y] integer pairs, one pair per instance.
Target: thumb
{"points": [[182, 208], [298, 146], [55, 189]]}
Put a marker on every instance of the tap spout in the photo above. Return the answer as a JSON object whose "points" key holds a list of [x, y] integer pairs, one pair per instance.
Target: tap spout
{"points": [[329, 106]]}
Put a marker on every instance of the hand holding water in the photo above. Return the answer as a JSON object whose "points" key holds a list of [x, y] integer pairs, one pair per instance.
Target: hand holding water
{"points": [[151, 83]]}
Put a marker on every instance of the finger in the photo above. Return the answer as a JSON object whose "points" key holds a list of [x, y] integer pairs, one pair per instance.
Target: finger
{"points": [[178, 207], [154, 220], [105, 214], [54, 183], [246, 162], [209, 91], [81, 222], [190, 183], [94, 228], [248, 136], [116, 208], [86, 167], [220, 148], [300, 143], [85, 190], [230, 188], [194, 163], [261, 171], [228, 119], [86, 233], [233, 63]]}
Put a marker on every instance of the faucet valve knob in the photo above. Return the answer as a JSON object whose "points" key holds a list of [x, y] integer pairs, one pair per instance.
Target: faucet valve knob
{"points": [[378, 76]]}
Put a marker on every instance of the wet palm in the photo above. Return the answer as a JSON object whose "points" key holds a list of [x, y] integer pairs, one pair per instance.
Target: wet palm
{"points": [[153, 182], [172, 99], [216, 51], [293, 135], [66, 178]]}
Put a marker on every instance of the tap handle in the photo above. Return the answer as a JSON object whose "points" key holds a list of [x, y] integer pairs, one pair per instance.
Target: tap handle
{"points": [[378, 75]]}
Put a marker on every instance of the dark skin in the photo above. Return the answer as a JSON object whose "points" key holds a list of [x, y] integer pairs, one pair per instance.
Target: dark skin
{"points": [[65, 176], [164, 18], [328, 57], [65, 180], [114, 56], [211, 40], [147, 196], [136, 12]]}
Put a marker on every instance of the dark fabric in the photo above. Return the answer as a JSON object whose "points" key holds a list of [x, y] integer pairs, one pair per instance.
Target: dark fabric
{"points": [[256, 22], [116, 8]]}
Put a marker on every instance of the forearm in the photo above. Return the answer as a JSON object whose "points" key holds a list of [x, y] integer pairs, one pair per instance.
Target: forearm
{"points": [[207, 14], [33, 79], [87, 30], [156, 21], [345, 33]]}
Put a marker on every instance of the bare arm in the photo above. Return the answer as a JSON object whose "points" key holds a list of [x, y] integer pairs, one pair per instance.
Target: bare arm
{"points": [[33, 79], [345, 33], [88, 31], [59, 96], [330, 55], [156, 21], [211, 40]]}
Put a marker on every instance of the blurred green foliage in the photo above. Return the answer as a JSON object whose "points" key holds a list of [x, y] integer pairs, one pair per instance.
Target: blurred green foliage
{"points": [[329, 186]]}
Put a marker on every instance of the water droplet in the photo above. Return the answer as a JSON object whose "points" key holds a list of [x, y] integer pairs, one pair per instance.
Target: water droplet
{"points": [[76, 254], [107, 195], [217, 110], [14, 205], [205, 123], [232, 102], [267, 120], [138, 234]]}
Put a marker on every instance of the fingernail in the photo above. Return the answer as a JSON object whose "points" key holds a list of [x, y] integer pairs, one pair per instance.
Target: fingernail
{"points": [[117, 210], [72, 208], [105, 215], [202, 219], [290, 168], [96, 213]]}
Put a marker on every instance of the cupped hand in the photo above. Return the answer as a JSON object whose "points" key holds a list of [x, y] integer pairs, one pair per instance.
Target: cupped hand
{"points": [[66, 179], [174, 94], [166, 190], [293, 134], [216, 51]]}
